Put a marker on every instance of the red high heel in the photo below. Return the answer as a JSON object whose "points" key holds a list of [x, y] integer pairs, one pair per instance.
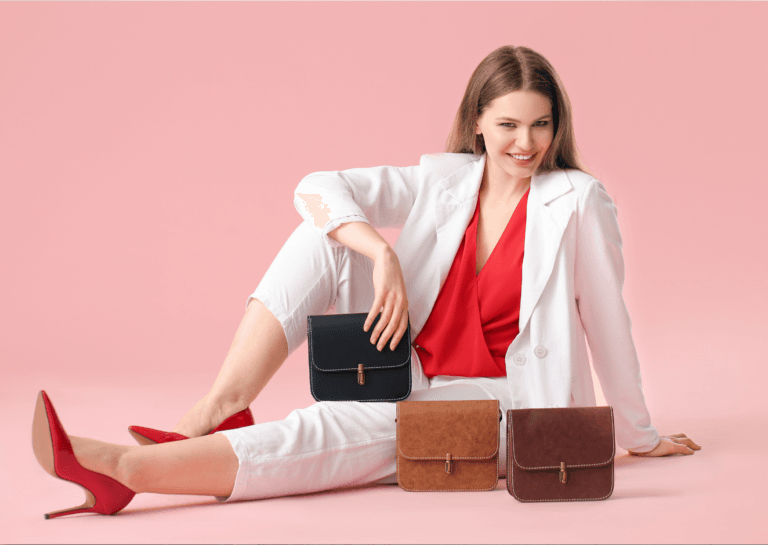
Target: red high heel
{"points": [[53, 450], [149, 436]]}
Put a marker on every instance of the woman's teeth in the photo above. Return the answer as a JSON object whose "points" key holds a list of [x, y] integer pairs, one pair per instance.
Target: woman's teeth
{"points": [[522, 157]]}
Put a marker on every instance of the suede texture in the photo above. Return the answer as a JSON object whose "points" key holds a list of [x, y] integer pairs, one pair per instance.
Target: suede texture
{"points": [[429, 431], [539, 440]]}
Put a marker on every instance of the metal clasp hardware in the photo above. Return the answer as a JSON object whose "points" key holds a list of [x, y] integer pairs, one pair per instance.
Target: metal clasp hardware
{"points": [[563, 473], [360, 375], [448, 464]]}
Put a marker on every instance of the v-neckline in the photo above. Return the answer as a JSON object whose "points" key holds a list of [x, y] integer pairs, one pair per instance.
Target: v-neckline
{"points": [[506, 227]]}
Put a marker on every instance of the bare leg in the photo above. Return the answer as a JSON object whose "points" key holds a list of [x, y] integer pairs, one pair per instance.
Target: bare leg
{"points": [[257, 352], [305, 278], [200, 466]]}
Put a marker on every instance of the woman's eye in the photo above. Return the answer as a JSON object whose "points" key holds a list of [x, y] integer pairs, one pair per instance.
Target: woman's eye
{"points": [[539, 124]]}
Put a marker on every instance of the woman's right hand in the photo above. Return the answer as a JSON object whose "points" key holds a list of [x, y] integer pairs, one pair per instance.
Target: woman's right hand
{"points": [[389, 287]]}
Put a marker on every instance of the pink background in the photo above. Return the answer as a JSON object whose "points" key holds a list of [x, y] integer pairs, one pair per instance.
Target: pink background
{"points": [[148, 155]]}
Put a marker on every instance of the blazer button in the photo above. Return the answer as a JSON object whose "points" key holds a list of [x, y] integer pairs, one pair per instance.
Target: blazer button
{"points": [[519, 359], [540, 351]]}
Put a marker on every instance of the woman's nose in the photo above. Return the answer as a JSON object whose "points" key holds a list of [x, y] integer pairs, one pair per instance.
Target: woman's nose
{"points": [[524, 140]]}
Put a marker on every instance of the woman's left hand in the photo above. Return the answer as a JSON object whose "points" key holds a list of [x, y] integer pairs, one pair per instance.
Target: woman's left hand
{"points": [[676, 443]]}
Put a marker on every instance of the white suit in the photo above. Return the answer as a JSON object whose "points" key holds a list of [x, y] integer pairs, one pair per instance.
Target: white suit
{"points": [[572, 278]]}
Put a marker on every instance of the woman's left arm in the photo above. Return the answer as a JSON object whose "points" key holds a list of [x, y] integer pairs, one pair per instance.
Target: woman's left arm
{"points": [[599, 280]]}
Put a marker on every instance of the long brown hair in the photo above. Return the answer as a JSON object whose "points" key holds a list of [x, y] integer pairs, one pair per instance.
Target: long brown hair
{"points": [[509, 69]]}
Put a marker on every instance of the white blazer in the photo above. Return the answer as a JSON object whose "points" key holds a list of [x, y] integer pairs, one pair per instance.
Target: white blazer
{"points": [[573, 273]]}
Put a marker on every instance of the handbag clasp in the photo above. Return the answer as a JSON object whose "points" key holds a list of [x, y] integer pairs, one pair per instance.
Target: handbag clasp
{"points": [[563, 473], [448, 464], [360, 374]]}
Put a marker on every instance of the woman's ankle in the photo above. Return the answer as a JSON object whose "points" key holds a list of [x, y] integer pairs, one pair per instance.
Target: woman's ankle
{"points": [[197, 420], [224, 406], [208, 413]]}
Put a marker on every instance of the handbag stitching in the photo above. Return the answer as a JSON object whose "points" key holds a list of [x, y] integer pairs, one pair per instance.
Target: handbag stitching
{"points": [[495, 453], [312, 382], [511, 479], [312, 390], [398, 419], [613, 453], [312, 356]]}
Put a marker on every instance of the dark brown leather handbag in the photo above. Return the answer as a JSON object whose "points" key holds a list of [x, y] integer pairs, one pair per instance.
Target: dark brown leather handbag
{"points": [[560, 454], [448, 446]]}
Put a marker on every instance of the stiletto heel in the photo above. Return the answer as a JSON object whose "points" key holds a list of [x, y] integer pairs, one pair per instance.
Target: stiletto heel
{"points": [[150, 436], [53, 450]]}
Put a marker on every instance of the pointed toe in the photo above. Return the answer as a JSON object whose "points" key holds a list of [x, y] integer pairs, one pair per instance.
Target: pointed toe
{"points": [[151, 436], [53, 450]]}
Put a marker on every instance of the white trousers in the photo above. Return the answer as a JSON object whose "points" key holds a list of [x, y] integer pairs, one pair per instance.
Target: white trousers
{"points": [[331, 445]]}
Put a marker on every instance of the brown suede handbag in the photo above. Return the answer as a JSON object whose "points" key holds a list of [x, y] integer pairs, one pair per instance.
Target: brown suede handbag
{"points": [[560, 454], [448, 446]]}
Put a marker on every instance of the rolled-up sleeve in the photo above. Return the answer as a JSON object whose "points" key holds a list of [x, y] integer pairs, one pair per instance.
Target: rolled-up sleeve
{"points": [[381, 196], [599, 280]]}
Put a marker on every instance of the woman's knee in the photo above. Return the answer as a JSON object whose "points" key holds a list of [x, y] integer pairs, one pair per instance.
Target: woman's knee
{"points": [[268, 324]]}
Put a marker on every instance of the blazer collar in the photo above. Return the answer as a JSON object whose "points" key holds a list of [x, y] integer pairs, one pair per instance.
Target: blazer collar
{"points": [[545, 226], [465, 183]]}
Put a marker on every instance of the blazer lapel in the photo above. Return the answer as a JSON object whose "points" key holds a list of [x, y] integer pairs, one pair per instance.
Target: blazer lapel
{"points": [[455, 207], [544, 230]]}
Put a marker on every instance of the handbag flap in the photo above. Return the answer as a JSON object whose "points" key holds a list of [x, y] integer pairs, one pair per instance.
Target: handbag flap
{"points": [[467, 430], [337, 342], [578, 436]]}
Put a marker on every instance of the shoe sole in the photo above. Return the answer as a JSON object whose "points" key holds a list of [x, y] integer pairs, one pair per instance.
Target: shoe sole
{"points": [[42, 444]]}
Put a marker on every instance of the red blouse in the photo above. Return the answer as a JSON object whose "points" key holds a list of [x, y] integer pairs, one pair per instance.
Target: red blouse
{"points": [[475, 317]]}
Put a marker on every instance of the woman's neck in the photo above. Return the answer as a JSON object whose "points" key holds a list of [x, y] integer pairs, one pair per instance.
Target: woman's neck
{"points": [[498, 188]]}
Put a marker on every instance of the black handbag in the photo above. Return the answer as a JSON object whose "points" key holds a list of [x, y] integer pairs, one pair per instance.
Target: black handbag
{"points": [[345, 366]]}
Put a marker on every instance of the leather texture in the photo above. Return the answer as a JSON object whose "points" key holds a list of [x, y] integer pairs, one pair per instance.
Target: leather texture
{"points": [[105, 495], [338, 346], [148, 436], [540, 441], [450, 446]]}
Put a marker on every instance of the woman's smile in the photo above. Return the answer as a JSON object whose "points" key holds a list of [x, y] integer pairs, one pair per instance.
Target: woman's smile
{"points": [[522, 160]]}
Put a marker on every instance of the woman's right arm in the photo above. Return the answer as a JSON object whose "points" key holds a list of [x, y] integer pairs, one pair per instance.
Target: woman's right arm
{"points": [[345, 207], [382, 196], [388, 282]]}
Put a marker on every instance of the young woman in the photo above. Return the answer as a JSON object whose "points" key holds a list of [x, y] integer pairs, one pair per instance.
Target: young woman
{"points": [[509, 258]]}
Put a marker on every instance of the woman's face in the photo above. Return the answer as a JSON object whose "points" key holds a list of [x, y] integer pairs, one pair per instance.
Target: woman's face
{"points": [[517, 124]]}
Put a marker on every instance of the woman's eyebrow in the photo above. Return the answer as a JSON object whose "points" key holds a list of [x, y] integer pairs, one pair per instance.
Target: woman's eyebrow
{"points": [[518, 121]]}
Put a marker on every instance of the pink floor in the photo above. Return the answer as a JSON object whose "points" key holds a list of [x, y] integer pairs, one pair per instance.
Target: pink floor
{"points": [[148, 155], [714, 496]]}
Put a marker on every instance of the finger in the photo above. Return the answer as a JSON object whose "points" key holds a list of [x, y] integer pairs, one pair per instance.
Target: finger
{"points": [[669, 447], [400, 330], [397, 326], [375, 309], [386, 314], [689, 443], [393, 321], [681, 439], [682, 449]]}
